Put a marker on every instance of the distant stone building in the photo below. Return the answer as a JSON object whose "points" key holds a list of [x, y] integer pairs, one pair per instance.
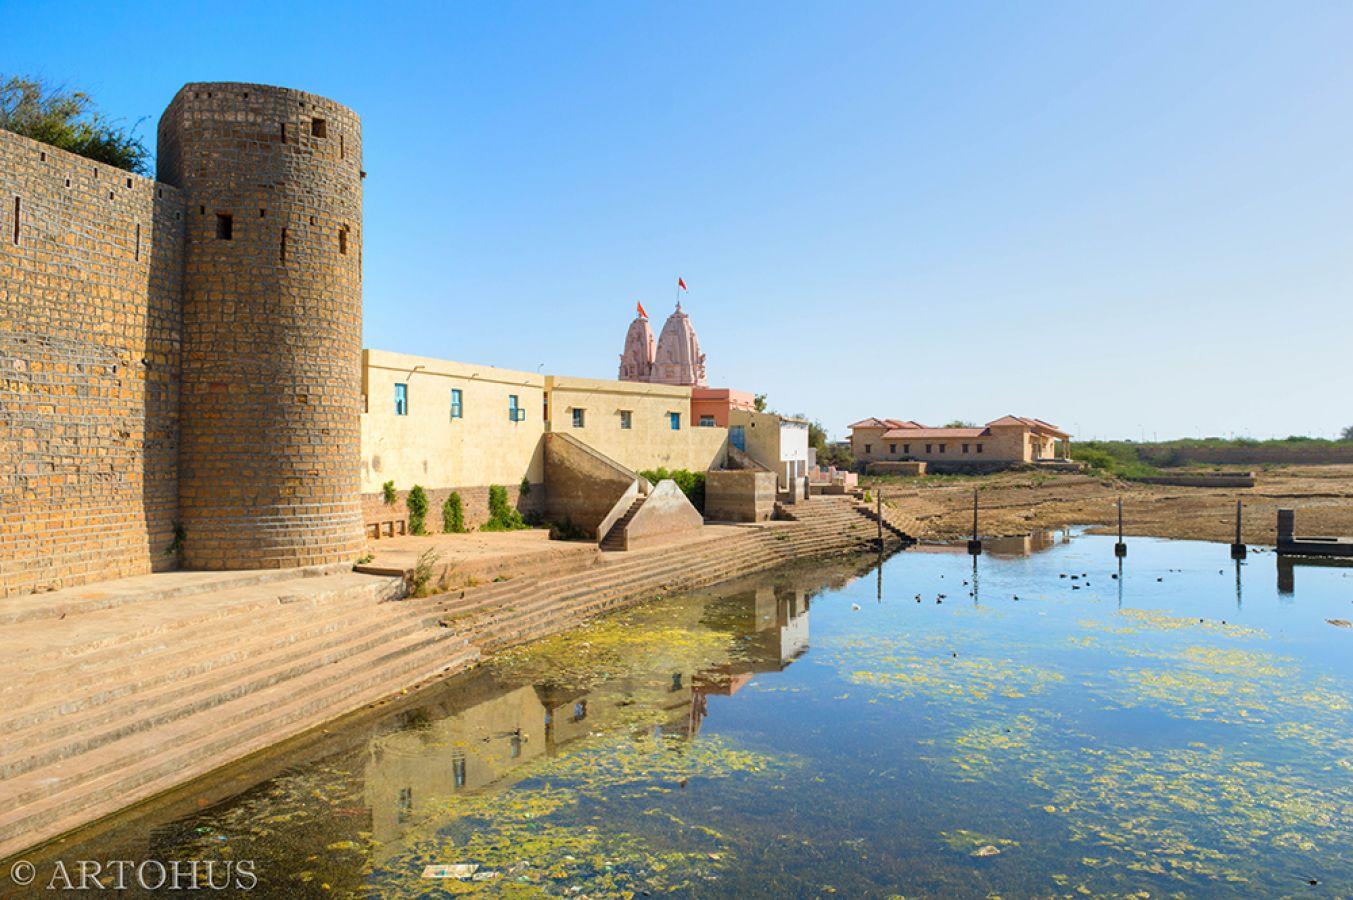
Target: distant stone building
{"points": [[1007, 441]]}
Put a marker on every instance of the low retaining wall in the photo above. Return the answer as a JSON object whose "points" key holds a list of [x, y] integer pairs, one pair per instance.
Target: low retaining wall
{"points": [[739, 495], [898, 467], [1223, 480], [474, 500]]}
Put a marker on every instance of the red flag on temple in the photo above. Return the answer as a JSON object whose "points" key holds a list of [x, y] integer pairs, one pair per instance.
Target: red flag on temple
{"points": [[641, 309], [681, 283]]}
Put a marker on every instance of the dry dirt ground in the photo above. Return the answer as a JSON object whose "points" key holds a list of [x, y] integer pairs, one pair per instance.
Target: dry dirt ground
{"points": [[1015, 503]]}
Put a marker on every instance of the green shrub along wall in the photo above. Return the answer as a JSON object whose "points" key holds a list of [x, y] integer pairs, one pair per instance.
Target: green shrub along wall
{"points": [[692, 484]]}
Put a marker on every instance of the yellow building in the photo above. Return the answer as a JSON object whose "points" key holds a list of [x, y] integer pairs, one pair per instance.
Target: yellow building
{"points": [[453, 426], [445, 424], [1009, 440], [639, 425]]}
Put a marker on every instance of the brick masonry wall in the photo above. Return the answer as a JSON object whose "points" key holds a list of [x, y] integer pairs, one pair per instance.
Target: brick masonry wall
{"points": [[474, 501], [272, 321], [89, 367]]}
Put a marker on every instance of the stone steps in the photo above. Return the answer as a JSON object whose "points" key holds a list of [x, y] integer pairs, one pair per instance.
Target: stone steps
{"points": [[125, 626], [170, 699], [202, 680], [144, 588], [48, 800], [120, 663], [614, 539]]}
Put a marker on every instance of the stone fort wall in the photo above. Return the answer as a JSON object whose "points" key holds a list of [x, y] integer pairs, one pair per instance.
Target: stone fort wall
{"points": [[90, 335], [180, 360]]}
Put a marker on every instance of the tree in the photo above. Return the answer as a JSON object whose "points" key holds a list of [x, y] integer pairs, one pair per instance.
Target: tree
{"points": [[759, 401], [1347, 434], [959, 423], [68, 119]]}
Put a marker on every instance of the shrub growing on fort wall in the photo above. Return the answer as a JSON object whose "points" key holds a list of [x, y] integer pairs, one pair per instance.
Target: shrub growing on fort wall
{"points": [[68, 119], [417, 503], [388, 493], [502, 517], [453, 514], [692, 484]]}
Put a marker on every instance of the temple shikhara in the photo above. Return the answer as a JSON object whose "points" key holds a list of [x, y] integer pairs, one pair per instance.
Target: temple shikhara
{"points": [[676, 359]]}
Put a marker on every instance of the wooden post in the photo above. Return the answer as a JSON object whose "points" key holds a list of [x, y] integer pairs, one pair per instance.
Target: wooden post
{"points": [[1238, 549], [974, 545], [1120, 548]]}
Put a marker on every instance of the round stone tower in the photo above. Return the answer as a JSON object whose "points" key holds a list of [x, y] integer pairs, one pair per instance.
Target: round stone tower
{"points": [[272, 324]]}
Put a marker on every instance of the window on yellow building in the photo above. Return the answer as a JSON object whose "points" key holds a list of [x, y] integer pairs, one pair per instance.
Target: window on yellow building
{"points": [[941, 448], [928, 448], [626, 419], [906, 448], [674, 419], [457, 406], [578, 417], [401, 399]]}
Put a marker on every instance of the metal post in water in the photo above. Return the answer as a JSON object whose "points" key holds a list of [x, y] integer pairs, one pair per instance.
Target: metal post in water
{"points": [[1120, 548], [879, 511], [1238, 549], [974, 545]]}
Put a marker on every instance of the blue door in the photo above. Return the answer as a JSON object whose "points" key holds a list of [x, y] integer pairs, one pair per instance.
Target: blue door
{"points": [[737, 437]]}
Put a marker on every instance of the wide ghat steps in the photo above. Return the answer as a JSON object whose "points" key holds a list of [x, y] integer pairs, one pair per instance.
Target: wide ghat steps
{"points": [[203, 679], [199, 681]]}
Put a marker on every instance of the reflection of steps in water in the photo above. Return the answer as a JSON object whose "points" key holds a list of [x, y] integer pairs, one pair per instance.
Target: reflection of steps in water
{"points": [[489, 733]]}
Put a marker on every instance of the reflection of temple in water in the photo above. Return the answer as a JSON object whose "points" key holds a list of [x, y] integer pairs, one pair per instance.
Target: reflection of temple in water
{"points": [[487, 731]]}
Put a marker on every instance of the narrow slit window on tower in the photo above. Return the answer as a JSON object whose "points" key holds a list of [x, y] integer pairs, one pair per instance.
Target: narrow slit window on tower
{"points": [[341, 151], [343, 240], [282, 132], [282, 254], [18, 208], [262, 213], [225, 227], [138, 240], [319, 128], [129, 182]]}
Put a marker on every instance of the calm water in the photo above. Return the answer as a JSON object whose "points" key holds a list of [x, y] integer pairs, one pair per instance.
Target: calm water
{"points": [[1183, 729]]}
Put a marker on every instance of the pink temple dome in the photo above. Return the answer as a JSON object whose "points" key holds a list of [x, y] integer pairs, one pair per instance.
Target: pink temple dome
{"points": [[678, 359], [636, 363]]}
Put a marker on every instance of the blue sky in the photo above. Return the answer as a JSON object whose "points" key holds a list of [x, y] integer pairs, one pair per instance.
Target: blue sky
{"points": [[1128, 218]]}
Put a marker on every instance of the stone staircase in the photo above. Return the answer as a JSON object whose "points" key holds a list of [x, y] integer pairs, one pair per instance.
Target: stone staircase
{"points": [[107, 700], [615, 537], [114, 704]]}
